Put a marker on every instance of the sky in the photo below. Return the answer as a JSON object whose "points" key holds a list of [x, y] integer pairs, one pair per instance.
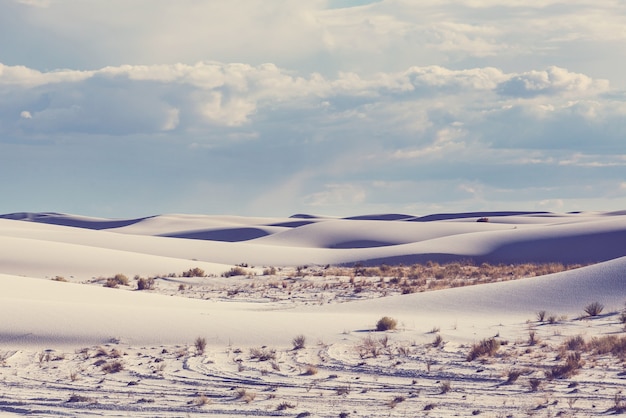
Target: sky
{"points": [[125, 108]]}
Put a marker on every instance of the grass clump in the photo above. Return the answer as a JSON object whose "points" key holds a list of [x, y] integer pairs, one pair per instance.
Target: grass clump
{"points": [[594, 309], [386, 323], [145, 284], [573, 363], [486, 347], [113, 367], [299, 342], [200, 345], [262, 354], [235, 271], [194, 272]]}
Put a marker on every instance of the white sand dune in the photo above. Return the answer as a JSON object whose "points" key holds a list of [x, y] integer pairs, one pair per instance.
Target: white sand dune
{"points": [[40, 313], [568, 238], [46, 313], [41, 250]]}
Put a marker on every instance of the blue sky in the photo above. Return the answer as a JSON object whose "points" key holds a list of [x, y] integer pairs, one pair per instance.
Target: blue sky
{"points": [[124, 108]]}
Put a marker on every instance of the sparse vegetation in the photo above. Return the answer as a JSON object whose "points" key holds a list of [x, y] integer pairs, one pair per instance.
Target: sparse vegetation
{"points": [[594, 309], [386, 324], [445, 386], [299, 342], [486, 347], [145, 284], [235, 271], [573, 363], [285, 405], [262, 354], [200, 345], [113, 367], [194, 272], [245, 395]]}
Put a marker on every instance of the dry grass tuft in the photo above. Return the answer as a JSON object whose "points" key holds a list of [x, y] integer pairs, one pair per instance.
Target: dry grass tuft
{"points": [[594, 309], [299, 342], [200, 345], [386, 323], [262, 354], [486, 347], [113, 367]]}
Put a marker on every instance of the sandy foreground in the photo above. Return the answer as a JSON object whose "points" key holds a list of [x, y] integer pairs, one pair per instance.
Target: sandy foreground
{"points": [[288, 334]]}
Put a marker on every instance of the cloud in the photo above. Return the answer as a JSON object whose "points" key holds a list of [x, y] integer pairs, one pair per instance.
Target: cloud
{"points": [[552, 81]]}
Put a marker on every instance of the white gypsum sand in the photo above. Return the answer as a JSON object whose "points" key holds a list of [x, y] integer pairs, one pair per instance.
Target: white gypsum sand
{"points": [[77, 348]]}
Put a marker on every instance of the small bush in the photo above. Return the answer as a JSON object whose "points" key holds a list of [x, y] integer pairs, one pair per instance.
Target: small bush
{"points": [[79, 398], [311, 370], [574, 343], [284, 405], [534, 384], [116, 281], [572, 364], [59, 279], [262, 354], [541, 316], [194, 272], [245, 395], [145, 284], [299, 342], [594, 309], [235, 271], [437, 341], [121, 279], [386, 324], [113, 367], [445, 386], [200, 345], [512, 376], [395, 401], [486, 347]]}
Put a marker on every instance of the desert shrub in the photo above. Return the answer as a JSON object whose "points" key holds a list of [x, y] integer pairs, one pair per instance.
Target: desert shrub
{"points": [[200, 345], [369, 347], [534, 384], [194, 272], [342, 390], [486, 347], [112, 283], [284, 405], [574, 343], [386, 323], [541, 315], [573, 363], [437, 341], [532, 338], [512, 376], [395, 401], [235, 271], [262, 354], [609, 344], [245, 395], [594, 309], [271, 271], [59, 279], [121, 279], [311, 370], [113, 367], [145, 284], [79, 398], [115, 281], [445, 386], [298, 342]]}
